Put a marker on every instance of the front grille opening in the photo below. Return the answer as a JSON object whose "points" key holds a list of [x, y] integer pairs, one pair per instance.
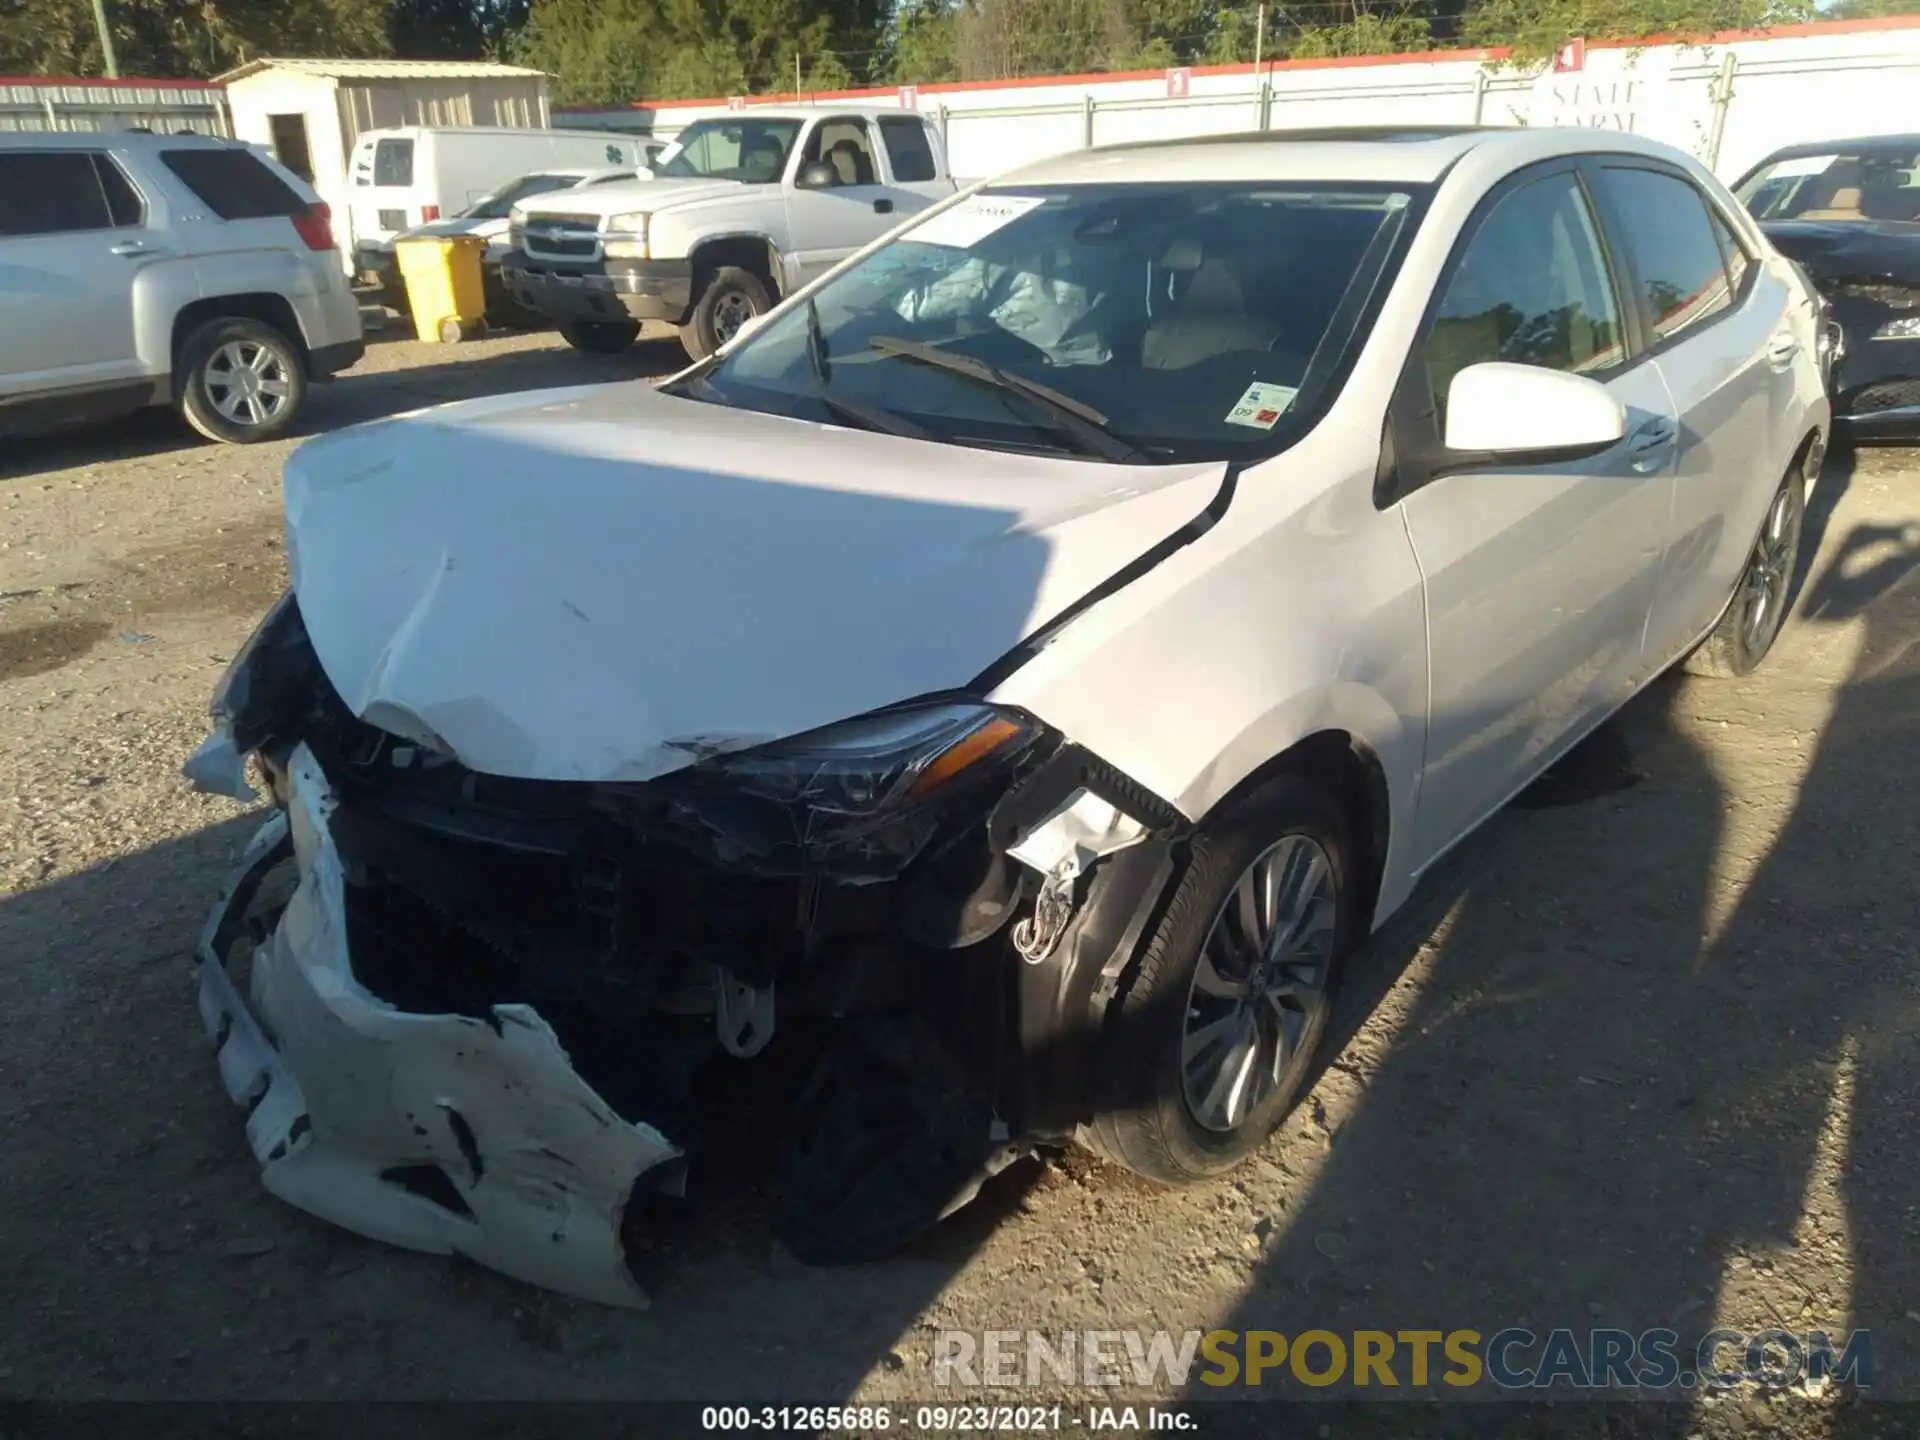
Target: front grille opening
{"points": [[432, 1184]]}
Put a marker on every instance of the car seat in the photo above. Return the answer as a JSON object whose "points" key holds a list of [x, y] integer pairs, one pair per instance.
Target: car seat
{"points": [[1208, 316]]}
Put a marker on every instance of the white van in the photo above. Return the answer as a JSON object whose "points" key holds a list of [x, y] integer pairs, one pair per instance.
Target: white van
{"points": [[415, 174]]}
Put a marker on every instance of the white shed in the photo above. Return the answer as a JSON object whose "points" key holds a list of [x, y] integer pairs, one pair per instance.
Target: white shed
{"points": [[310, 112]]}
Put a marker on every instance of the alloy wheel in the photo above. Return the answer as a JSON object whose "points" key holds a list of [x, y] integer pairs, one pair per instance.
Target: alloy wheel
{"points": [[1260, 983], [248, 382], [1764, 597]]}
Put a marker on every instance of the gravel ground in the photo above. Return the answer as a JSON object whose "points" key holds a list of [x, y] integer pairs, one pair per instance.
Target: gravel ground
{"points": [[1644, 1054]]}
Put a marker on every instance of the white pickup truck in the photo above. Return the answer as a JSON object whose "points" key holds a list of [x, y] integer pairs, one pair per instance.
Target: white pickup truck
{"points": [[743, 209]]}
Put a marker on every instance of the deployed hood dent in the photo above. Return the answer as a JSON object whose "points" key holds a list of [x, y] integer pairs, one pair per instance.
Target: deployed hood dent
{"points": [[607, 584]]}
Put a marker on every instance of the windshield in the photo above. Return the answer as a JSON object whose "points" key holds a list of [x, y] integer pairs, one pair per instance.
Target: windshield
{"points": [[496, 205], [754, 151], [1194, 321], [1842, 186]]}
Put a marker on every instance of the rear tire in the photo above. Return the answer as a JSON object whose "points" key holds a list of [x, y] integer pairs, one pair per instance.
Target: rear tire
{"points": [[1163, 1113], [1753, 618], [601, 337], [241, 381], [732, 297]]}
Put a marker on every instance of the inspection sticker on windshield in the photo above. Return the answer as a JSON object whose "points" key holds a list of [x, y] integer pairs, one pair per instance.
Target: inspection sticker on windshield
{"points": [[1262, 406], [975, 218]]}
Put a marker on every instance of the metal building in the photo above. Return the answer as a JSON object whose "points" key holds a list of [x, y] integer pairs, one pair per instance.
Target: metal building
{"points": [[42, 102], [310, 112]]}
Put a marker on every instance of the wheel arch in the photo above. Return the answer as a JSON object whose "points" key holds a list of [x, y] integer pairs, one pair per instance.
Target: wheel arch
{"points": [[264, 306], [745, 250], [1350, 740]]}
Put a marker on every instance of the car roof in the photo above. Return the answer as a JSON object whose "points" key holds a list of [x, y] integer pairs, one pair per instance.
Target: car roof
{"points": [[1862, 145], [803, 112], [110, 140], [1408, 155]]}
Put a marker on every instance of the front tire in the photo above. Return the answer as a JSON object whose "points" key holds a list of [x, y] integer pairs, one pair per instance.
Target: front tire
{"points": [[732, 297], [1753, 618], [1218, 1030], [601, 337], [243, 381]]}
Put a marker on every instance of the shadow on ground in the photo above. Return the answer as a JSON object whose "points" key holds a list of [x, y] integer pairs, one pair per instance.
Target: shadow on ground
{"points": [[1700, 1108], [363, 393]]}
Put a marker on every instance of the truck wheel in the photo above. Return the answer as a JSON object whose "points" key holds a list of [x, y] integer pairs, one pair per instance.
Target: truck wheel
{"points": [[732, 297], [241, 381], [601, 337]]}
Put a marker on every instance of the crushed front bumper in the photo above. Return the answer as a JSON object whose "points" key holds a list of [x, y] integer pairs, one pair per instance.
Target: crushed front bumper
{"points": [[601, 290], [439, 1132]]}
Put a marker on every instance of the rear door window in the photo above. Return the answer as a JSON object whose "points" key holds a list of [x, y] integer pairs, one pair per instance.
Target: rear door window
{"points": [[51, 192], [908, 148], [233, 184], [393, 162], [1681, 275]]}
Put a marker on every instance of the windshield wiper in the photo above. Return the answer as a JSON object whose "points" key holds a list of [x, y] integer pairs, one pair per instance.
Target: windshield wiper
{"points": [[1085, 426], [853, 411]]}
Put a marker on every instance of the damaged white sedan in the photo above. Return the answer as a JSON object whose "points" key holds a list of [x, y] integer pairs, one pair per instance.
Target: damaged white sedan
{"points": [[992, 696]]}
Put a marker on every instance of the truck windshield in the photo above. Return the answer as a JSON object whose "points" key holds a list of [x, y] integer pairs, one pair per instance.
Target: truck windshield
{"points": [[1187, 321], [754, 151]]}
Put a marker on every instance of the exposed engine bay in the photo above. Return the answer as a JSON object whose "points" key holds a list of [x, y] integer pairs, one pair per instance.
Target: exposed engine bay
{"points": [[500, 1016]]}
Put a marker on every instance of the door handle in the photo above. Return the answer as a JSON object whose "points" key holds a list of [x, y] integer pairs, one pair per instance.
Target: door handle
{"points": [[1781, 352], [130, 247], [883, 207], [1649, 444]]}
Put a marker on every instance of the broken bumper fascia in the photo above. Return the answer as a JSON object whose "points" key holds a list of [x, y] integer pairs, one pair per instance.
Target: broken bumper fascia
{"points": [[342, 1090]]}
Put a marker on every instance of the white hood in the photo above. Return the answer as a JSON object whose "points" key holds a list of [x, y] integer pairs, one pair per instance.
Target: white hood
{"points": [[605, 583], [649, 195]]}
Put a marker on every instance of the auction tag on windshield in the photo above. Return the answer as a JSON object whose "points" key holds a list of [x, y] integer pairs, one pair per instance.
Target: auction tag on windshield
{"points": [[1262, 406], [973, 219]]}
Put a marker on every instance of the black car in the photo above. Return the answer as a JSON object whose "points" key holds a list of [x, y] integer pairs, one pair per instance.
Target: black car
{"points": [[1849, 212]]}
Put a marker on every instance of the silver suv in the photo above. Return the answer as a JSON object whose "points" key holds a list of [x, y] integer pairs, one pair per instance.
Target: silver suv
{"points": [[140, 269]]}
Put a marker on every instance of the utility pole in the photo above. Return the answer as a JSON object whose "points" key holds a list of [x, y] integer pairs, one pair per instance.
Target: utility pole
{"points": [[106, 38], [1259, 35], [796, 74]]}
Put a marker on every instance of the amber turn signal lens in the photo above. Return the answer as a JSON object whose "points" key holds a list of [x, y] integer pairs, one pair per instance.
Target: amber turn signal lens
{"points": [[969, 751]]}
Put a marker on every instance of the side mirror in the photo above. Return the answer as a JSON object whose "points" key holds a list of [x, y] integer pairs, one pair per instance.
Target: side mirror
{"points": [[818, 176], [1499, 409]]}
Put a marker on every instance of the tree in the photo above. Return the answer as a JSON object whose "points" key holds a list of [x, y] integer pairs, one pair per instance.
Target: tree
{"points": [[454, 29], [1391, 30], [1535, 29], [612, 51], [185, 38], [922, 46]]}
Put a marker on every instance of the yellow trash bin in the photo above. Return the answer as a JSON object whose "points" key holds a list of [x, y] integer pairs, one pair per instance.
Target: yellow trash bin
{"points": [[442, 275]]}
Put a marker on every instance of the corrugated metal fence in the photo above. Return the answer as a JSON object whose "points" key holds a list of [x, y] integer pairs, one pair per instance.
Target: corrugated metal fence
{"points": [[160, 105]]}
